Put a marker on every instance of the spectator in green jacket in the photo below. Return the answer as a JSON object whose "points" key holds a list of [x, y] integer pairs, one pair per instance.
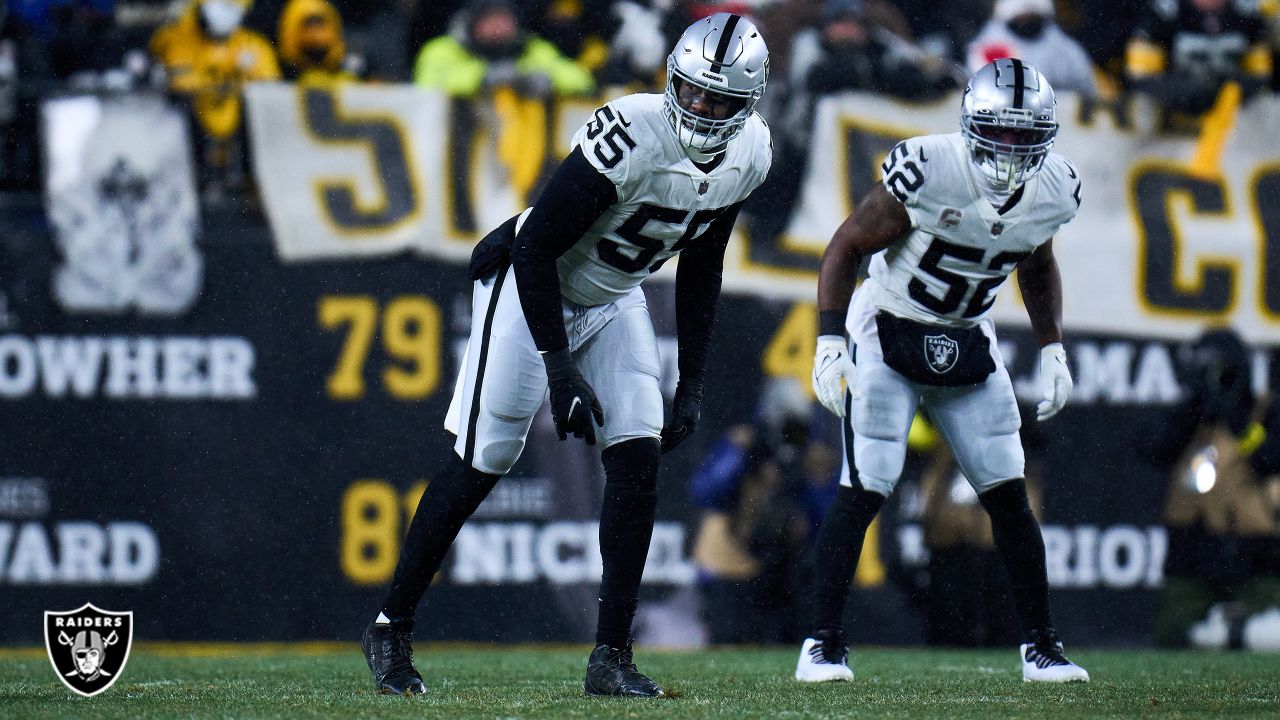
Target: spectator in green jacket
{"points": [[493, 50]]}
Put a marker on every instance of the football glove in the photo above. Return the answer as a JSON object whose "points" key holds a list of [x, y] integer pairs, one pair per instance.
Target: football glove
{"points": [[1055, 380], [493, 253], [573, 402], [831, 364], [685, 411]]}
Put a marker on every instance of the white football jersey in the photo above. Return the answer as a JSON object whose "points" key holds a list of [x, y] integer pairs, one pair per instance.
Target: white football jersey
{"points": [[665, 202], [948, 268]]}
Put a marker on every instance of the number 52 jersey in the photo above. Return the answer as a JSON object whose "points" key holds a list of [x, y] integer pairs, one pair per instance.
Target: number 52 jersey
{"points": [[948, 268], [665, 201]]}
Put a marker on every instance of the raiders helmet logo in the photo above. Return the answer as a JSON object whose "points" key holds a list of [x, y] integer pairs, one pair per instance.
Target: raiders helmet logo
{"points": [[941, 352], [88, 647]]}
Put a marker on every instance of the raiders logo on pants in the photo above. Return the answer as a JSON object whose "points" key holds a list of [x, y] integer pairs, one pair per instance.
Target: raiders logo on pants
{"points": [[503, 380]]}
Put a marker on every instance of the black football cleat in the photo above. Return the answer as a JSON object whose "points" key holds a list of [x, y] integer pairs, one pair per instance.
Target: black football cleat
{"points": [[610, 671], [388, 648]]}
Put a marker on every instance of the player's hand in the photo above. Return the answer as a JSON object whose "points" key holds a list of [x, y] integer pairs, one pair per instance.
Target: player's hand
{"points": [[831, 365], [1055, 380], [573, 403], [685, 411], [493, 252]]}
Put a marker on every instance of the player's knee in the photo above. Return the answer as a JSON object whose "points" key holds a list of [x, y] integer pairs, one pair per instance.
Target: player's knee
{"points": [[876, 485], [499, 456], [631, 467], [879, 463]]}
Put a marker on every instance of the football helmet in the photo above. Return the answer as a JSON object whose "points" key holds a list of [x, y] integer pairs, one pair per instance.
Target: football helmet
{"points": [[725, 56], [1008, 120]]}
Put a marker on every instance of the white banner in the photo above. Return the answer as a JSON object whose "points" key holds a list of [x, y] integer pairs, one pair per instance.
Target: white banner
{"points": [[1157, 249], [121, 198]]}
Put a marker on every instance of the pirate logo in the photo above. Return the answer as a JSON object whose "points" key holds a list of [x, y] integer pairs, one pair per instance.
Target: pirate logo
{"points": [[941, 352], [88, 647]]}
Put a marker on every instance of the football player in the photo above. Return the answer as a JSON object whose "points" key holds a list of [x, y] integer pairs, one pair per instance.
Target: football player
{"points": [[952, 217], [557, 303]]}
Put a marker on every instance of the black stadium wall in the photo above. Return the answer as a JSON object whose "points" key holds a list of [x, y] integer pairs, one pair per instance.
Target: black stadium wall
{"points": [[245, 470]]}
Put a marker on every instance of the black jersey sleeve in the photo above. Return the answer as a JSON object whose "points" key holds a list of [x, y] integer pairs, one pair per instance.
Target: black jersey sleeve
{"points": [[574, 198], [697, 293]]}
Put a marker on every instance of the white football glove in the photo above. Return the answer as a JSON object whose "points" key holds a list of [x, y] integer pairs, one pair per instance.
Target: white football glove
{"points": [[831, 364], [1055, 380]]}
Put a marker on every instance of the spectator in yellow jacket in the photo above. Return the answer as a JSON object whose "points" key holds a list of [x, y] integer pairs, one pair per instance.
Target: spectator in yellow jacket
{"points": [[209, 57], [313, 50], [492, 51], [493, 57]]}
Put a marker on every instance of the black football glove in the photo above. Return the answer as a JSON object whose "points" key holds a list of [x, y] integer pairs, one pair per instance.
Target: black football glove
{"points": [[685, 410], [573, 402], [493, 253]]}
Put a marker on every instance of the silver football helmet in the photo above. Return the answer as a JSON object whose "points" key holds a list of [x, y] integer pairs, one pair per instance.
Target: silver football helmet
{"points": [[1008, 120], [724, 55]]}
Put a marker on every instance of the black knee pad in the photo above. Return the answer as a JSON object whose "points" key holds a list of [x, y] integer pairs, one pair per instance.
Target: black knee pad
{"points": [[631, 467]]}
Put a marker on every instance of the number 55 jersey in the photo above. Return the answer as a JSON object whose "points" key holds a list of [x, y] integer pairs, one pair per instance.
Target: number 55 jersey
{"points": [[948, 268], [665, 201]]}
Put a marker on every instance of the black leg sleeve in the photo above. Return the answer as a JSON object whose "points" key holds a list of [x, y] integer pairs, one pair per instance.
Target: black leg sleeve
{"points": [[1021, 547], [449, 500], [626, 525], [836, 553]]}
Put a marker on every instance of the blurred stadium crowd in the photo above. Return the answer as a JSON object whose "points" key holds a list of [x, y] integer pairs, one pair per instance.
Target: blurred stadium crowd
{"points": [[203, 52], [764, 484]]}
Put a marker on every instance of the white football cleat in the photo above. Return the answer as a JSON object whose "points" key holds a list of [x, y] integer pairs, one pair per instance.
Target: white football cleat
{"points": [[824, 659], [1043, 661]]}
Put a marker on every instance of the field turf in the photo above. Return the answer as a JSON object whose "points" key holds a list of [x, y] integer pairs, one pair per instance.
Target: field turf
{"points": [[467, 681]]}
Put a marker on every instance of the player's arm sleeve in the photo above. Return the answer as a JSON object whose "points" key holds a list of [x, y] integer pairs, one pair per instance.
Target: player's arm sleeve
{"points": [[697, 292], [575, 197], [902, 174]]}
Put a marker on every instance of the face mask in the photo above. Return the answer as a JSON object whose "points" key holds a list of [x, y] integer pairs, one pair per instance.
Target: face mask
{"points": [[1027, 28], [221, 17]]}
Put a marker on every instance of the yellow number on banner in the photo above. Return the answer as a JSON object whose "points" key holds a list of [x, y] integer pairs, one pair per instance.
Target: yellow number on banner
{"points": [[411, 332], [360, 313], [790, 352], [370, 532]]}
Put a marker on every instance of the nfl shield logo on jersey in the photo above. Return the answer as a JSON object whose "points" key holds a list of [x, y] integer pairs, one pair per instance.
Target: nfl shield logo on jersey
{"points": [[997, 228], [88, 646], [941, 352]]}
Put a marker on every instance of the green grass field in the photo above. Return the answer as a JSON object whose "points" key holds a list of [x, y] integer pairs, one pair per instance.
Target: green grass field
{"points": [[331, 681]]}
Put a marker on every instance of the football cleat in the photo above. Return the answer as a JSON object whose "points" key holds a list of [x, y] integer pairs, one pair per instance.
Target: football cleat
{"points": [[824, 658], [388, 648], [1043, 661], [610, 671]]}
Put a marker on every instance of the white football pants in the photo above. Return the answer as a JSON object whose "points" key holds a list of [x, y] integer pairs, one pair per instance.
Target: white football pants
{"points": [[503, 381]]}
